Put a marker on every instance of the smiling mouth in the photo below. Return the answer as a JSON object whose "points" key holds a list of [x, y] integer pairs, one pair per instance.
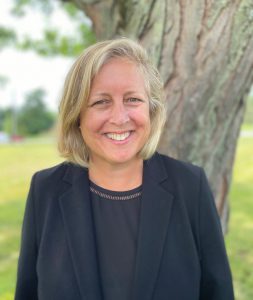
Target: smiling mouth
{"points": [[118, 136]]}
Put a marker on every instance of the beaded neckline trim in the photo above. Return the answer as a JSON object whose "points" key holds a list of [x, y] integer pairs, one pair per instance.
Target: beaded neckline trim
{"points": [[122, 198]]}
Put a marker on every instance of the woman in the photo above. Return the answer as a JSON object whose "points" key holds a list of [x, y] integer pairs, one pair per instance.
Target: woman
{"points": [[117, 220]]}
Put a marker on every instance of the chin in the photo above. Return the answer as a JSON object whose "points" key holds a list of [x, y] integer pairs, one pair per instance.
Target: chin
{"points": [[123, 158]]}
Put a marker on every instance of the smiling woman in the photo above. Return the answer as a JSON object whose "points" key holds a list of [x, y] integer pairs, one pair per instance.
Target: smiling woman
{"points": [[118, 220], [116, 128], [106, 74]]}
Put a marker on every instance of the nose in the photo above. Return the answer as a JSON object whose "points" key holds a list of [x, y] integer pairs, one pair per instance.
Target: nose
{"points": [[119, 114]]}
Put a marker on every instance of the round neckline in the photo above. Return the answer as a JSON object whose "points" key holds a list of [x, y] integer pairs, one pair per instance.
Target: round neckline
{"points": [[115, 195]]}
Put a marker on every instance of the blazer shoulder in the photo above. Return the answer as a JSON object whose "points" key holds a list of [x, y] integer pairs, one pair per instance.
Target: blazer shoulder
{"points": [[54, 172], [56, 175]]}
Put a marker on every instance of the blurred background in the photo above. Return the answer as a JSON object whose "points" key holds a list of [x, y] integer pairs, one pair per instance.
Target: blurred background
{"points": [[39, 40]]}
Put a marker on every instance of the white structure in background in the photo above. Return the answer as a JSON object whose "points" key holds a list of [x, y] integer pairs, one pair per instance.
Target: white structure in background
{"points": [[4, 138]]}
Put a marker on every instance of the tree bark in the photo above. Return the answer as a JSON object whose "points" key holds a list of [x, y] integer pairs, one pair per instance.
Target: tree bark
{"points": [[203, 49]]}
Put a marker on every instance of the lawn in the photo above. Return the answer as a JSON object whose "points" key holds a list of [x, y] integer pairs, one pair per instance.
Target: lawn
{"points": [[239, 241], [18, 163]]}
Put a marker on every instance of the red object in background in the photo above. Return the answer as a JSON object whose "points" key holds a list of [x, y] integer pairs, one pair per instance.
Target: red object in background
{"points": [[17, 138]]}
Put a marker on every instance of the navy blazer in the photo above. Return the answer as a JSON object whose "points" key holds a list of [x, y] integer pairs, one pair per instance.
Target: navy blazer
{"points": [[180, 252]]}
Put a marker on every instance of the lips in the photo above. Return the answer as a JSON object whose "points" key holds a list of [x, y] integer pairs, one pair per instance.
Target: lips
{"points": [[118, 136]]}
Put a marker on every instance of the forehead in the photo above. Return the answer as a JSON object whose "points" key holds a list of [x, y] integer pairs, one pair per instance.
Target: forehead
{"points": [[119, 65], [121, 71]]}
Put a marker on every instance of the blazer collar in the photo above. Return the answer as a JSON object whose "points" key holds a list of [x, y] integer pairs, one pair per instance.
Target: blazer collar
{"points": [[156, 206]]}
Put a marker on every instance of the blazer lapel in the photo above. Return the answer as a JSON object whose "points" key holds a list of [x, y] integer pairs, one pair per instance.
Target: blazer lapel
{"points": [[155, 214], [77, 215]]}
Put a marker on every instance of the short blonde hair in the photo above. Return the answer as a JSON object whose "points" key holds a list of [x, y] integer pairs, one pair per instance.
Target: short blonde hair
{"points": [[71, 144]]}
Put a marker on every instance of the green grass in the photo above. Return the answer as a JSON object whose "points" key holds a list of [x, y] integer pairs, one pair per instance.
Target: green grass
{"points": [[19, 162], [247, 127], [239, 241]]}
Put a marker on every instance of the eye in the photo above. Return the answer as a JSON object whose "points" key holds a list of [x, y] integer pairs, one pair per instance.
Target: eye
{"points": [[133, 100], [101, 102]]}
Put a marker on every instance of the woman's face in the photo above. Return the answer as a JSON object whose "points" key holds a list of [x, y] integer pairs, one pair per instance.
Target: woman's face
{"points": [[116, 124]]}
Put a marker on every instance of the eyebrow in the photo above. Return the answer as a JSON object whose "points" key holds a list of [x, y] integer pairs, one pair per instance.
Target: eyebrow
{"points": [[101, 94], [132, 92], [126, 94]]}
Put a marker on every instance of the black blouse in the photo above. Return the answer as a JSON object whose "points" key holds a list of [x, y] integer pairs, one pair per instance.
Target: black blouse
{"points": [[116, 219]]}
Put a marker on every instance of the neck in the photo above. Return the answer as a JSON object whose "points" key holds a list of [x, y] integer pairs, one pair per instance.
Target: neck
{"points": [[117, 177]]}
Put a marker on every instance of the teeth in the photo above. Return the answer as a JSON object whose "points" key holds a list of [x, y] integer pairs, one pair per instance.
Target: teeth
{"points": [[118, 137]]}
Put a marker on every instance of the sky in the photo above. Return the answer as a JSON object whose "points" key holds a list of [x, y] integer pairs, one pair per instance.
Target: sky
{"points": [[26, 70]]}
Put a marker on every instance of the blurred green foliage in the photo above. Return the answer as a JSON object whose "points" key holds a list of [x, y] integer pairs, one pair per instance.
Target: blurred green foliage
{"points": [[248, 118], [53, 41], [31, 118], [19, 8], [3, 81], [6, 120], [7, 37], [34, 117]]}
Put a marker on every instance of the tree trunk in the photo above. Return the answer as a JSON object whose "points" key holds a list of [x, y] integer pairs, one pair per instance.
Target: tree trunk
{"points": [[203, 49]]}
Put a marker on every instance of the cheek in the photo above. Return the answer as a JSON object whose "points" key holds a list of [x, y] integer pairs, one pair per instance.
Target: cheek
{"points": [[141, 118], [92, 123]]}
